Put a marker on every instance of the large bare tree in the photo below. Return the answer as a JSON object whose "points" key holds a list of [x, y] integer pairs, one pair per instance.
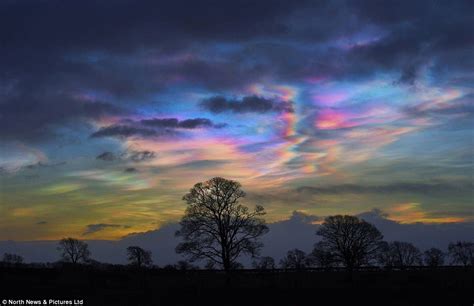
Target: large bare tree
{"points": [[216, 227], [351, 241], [74, 250]]}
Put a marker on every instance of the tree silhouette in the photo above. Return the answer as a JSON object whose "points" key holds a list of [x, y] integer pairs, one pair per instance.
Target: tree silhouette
{"points": [[216, 227], [183, 265], [12, 259], [138, 256], [352, 241], [294, 259], [462, 252], [433, 257], [264, 263], [73, 250], [401, 254], [321, 257]]}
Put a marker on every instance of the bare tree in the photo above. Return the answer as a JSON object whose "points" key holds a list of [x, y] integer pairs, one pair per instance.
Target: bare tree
{"points": [[73, 250], [138, 256], [295, 259], [12, 259], [401, 254], [264, 263], [434, 257], [216, 227], [321, 257], [462, 252], [352, 241]]}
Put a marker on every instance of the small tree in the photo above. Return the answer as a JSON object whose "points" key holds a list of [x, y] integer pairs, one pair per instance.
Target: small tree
{"points": [[434, 257], [264, 263], [73, 250], [401, 254], [352, 241], [216, 227], [12, 259], [462, 252], [295, 259], [138, 256]]}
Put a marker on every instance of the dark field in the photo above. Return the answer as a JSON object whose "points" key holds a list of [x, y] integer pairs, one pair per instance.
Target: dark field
{"points": [[121, 286]]}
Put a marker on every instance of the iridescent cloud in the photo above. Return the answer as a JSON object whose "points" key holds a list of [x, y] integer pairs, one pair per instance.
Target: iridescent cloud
{"points": [[108, 131]]}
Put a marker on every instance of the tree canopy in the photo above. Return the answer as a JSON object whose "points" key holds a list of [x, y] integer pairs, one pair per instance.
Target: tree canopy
{"points": [[351, 241], [138, 256], [74, 250], [216, 227]]}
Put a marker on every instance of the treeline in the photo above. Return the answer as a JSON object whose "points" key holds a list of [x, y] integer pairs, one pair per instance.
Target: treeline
{"points": [[218, 230], [394, 254]]}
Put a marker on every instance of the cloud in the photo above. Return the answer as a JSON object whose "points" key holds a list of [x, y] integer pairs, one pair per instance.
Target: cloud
{"points": [[422, 188], [41, 222], [132, 155], [140, 156], [248, 104], [107, 156], [94, 228], [33, 114], [184, 124], [154, 127], [40, 165], [131, 170], [285, 42], [124, 131]]}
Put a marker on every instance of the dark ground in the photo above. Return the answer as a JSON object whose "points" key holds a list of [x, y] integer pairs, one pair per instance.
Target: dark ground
{"points": [[121, 286]]}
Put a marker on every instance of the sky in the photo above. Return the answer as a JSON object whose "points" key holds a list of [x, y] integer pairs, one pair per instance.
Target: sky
{"points": [[110, 111]]}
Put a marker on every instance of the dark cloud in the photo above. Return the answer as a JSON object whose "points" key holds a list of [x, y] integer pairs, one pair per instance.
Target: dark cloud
{"points": [[33, 114], [416, 34], [154, 127], [41, 222], [107, 156], [161, 122], [140, 156], [41, 165], [134, 156], [110, 25], [184, 124], [123, 131], [422, 188], [131, 170], [46, 66], [248, 104], [195, 123], [93, 228]]}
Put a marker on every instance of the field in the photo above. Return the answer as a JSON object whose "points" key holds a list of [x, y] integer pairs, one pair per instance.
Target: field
{"points": [[122, 286]]}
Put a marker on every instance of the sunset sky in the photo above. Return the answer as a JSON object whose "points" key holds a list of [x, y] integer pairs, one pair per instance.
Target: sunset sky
{"points": [[111, 110]]}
